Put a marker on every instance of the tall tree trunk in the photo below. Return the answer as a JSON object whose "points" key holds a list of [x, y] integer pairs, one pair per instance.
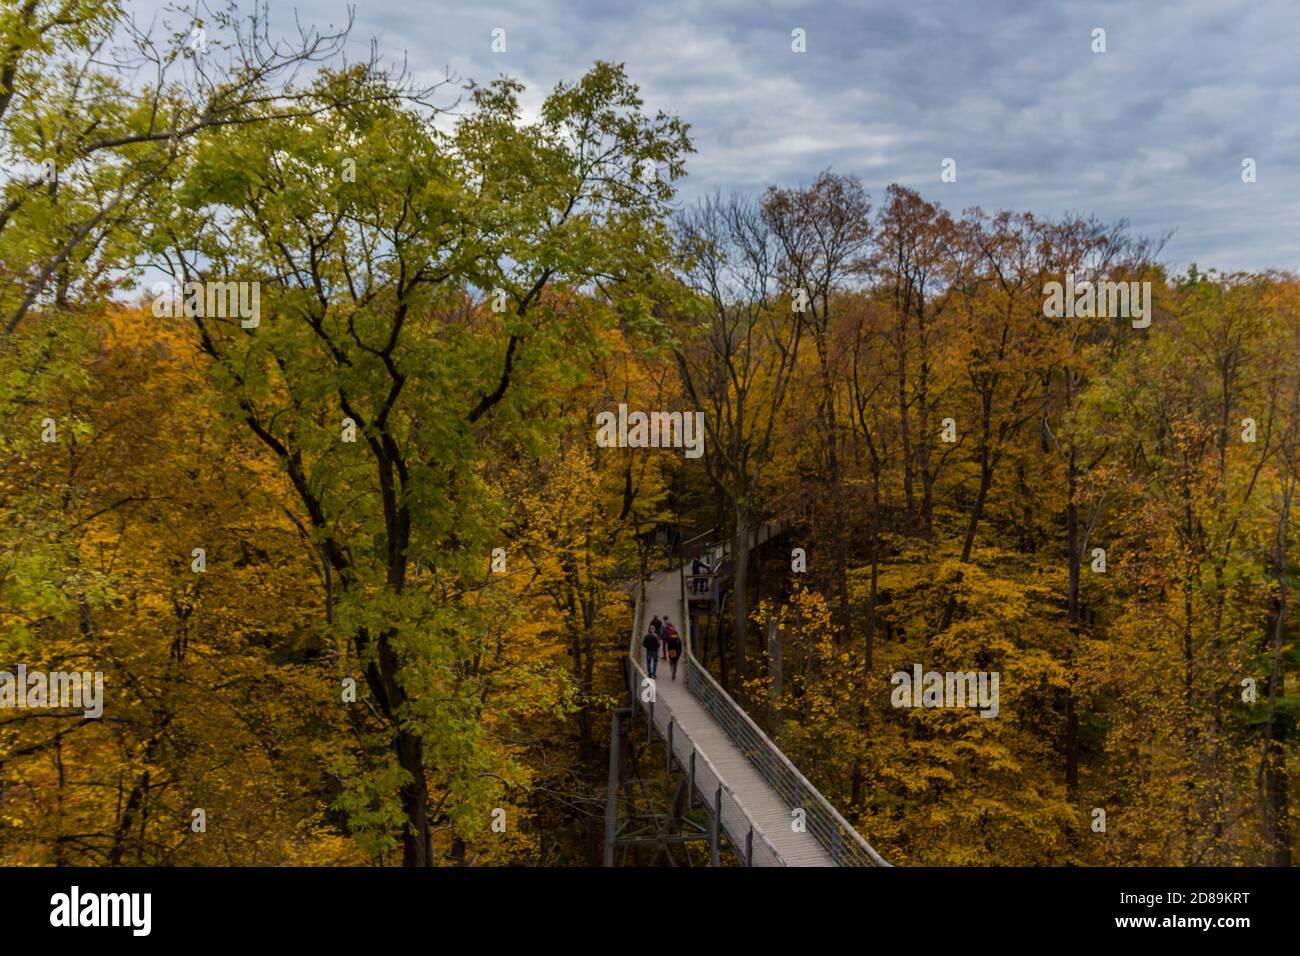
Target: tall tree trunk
{"points": [[381, 676], [135, 801], [1075, 558], [1276, 783], [1191, 819], [588, 756], [904, 424], [740, 598], [875, 566], [968, 543], [923, 425], [833, 480], [775, 675], [417, 836]]}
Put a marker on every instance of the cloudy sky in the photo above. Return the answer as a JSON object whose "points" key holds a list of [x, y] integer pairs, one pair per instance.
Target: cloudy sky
{"points": [[1154, 129]]}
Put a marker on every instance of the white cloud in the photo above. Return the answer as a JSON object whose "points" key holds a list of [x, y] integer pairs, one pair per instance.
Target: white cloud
{"points": [[1152, 130]]}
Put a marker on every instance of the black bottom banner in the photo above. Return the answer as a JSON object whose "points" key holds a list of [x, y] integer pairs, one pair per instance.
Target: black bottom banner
{"points": [[498, 905]]}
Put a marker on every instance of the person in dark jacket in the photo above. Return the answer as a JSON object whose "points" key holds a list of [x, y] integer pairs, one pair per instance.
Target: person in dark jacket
{"points": [[700, 580], [651, 644]]}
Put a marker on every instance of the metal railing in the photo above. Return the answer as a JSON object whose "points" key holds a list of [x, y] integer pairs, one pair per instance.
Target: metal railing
{"points": [[844, 844], [726, 811], [696, 543]]}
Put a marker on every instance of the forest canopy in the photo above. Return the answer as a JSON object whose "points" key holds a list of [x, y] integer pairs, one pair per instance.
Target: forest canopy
{"points": [[341, 538]]}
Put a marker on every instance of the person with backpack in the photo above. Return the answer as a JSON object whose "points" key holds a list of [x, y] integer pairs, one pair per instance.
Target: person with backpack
{"points": [[667, 633], [673, 650], [651, 644]]}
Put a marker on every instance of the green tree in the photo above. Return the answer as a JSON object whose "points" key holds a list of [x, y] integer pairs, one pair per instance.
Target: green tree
{"points": [[410, 301]]}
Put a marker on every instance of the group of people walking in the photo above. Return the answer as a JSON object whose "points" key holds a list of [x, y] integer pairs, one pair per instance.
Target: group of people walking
{"points": [[662, 636]]}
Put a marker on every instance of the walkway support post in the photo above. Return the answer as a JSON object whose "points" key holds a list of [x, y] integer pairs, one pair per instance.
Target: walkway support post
{"points": [[611, 793], [714, 828], [690, 790]]}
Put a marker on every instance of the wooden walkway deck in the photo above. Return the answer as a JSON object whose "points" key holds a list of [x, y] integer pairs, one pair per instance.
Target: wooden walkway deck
{"points": [[763, 808]]}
